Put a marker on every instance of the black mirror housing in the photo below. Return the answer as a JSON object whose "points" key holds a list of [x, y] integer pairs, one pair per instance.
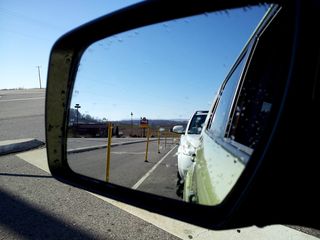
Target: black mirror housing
{"points": [[278, 185]]}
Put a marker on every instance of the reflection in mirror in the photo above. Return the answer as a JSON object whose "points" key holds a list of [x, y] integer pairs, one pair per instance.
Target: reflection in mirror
{"points": [[131, 90]]}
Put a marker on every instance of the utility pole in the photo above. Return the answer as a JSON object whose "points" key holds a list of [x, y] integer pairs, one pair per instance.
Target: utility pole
{"points": [[39, 75]]}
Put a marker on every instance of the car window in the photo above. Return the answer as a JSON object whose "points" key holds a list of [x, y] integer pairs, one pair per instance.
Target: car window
{"points": [[220, 116], [196, 124], [251, 112], [255, 99], [244, 104]]}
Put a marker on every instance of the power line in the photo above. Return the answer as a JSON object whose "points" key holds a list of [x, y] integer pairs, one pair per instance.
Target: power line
{"points": [[31, 20]]}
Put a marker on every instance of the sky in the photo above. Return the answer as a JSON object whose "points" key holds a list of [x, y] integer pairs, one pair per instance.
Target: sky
{"points": [[163, 71], [28, 29]]}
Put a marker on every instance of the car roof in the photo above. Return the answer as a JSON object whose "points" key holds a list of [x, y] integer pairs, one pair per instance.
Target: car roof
{"points": [[201, 112]]}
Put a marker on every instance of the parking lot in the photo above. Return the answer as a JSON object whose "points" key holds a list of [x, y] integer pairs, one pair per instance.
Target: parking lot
{"points": [[128, 167]]}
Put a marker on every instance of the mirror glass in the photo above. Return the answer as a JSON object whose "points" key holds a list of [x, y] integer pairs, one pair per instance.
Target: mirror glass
{"points": [[132, 88]]}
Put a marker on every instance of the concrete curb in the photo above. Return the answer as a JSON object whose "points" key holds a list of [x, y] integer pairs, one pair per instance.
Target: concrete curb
{"points": [[85, 149], [19, 145]]}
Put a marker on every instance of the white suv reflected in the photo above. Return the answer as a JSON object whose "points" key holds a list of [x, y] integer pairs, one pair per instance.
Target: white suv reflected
{"points": [[189, 141]]}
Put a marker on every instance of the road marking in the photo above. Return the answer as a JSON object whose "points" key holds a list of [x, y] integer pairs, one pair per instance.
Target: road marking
{"points": [[151, 170], [186, 231], [21, 99], [37, 158]]}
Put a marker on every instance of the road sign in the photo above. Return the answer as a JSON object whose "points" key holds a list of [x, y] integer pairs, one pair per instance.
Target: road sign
{"points": [[144, 123]]}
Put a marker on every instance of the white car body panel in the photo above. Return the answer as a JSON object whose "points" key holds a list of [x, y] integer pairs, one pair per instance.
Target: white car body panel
{"points": [[187, 148]]}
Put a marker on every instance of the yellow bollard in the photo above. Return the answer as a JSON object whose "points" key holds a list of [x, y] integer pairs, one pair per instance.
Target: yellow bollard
{"points": [[158, 141], [108, 151], [165, 140], [147, 148]]}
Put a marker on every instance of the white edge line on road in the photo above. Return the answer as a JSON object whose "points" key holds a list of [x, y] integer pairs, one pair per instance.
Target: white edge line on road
{"points": [[21, 99], [187, 231], [151, 170]]}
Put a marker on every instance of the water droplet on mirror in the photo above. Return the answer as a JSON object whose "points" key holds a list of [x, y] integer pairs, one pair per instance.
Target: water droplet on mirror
{"points": [[227, 13]]}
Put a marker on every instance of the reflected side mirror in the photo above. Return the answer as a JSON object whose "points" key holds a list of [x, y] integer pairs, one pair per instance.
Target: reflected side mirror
{"points": [[179, 129]]}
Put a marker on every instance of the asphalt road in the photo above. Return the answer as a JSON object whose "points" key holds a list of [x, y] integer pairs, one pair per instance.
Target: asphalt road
{"points": [[128, 166], [76, 143], [33, 205], [22, 114]]}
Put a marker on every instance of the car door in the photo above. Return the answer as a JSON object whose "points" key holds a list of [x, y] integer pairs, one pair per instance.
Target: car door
{"points": [[239, 119], [204, 188]]}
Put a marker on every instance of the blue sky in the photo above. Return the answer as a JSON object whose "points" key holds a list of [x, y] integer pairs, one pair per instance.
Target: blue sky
{"points": [[164, 71], [168, 70], [30, 28]]}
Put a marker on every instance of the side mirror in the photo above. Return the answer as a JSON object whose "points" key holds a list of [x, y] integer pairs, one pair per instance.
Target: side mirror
{"points": [[242, 174], [178, 129]]}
